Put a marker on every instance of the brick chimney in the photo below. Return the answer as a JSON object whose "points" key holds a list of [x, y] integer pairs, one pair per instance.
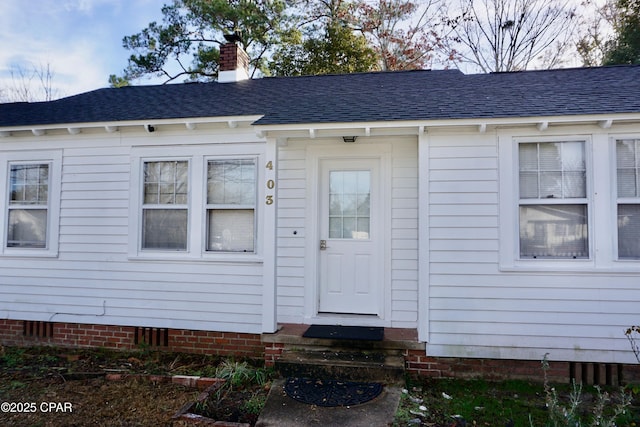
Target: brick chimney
{"points": [[234, 61]]}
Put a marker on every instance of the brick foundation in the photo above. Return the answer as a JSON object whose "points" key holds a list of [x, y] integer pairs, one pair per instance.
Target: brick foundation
{"points": [[23, 334], [12, 333], [419, 364]]}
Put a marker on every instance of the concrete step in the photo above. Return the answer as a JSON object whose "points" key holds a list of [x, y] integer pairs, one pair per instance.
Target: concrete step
{"points": [[386, 367]]}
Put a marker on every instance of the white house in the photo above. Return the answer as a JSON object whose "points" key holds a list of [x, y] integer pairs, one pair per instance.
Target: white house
{"points": [[497, 215]]}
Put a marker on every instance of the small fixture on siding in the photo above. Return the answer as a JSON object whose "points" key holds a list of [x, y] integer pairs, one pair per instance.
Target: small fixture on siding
{"points": [[149, 128], [605, 124], [349, 139]]}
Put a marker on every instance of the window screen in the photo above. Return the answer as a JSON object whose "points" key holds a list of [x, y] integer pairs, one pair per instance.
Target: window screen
{"points": [[165, 205], [231, 201], [628, 200], [28, 205], [553, 205]]}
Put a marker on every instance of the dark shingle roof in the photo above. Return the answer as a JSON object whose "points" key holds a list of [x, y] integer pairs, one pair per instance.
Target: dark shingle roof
{"points": [[366, 97]]}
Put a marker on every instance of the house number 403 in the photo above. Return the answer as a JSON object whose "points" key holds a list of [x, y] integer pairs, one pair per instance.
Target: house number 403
{"points": [[271, 184]]}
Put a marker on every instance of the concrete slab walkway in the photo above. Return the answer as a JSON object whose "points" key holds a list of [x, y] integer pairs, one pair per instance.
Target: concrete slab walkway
{"points": [[282, 411]]}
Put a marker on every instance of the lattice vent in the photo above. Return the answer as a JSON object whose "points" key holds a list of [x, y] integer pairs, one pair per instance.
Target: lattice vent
{"points": [[37, 329], [596, 373], [152, 337]]}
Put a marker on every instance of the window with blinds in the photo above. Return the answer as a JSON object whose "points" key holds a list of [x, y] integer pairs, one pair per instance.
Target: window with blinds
{"points": [[628, 198], [28, 206], [231, 205], [165, 208], [553, 202]]}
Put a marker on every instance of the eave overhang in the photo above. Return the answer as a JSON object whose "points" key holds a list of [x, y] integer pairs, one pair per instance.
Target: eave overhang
{"points": [[334, 129], [416, 127], [149, 126]]}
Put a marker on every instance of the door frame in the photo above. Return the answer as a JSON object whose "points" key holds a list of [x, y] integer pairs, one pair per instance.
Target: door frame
{"points": [[316, 152]]}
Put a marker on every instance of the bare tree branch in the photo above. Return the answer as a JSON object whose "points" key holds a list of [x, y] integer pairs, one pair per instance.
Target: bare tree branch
{"points": [[30, 84], [509, 35]]}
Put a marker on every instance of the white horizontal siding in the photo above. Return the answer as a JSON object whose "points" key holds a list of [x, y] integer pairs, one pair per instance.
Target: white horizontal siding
{"points": [[93, 280], [293, 268], [291, 247], [404, 234], [477, 310]]}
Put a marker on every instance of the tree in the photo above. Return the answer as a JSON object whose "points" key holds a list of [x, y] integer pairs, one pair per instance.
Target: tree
{"points": [[511, 35], [324, 42], [592, 45], [195, 29], [625, 46], [403, 33], [30, 84]]}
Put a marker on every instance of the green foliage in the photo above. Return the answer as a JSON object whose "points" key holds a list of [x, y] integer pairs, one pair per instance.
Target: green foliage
{"points": [[12, 357], [604, 412], [116, 81], [235, 373], [195, 29], [283, 38], [338, 51], [255, 404], [457, 402], [625, 48]]}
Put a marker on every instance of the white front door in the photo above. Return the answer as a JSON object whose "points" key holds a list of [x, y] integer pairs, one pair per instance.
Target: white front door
{"points": [[350, 247]]}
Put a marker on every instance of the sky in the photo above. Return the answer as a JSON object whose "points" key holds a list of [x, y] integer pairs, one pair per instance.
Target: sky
{"points": [[81, 40]]}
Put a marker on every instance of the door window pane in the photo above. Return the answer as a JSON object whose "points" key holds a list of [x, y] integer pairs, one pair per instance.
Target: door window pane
{"points": [[349, 204]]}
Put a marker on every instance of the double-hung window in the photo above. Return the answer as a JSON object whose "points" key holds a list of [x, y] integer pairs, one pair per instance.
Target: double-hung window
{"points": [[628, 198], [553, 204], [231, 205], [28, 207], [165, 207]]}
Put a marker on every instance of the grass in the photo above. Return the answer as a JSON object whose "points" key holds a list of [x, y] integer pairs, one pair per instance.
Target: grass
{"points": [[457, 402]]}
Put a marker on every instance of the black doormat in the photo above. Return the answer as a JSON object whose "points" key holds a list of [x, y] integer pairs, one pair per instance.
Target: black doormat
{"points": [[345, 332], [331, 393]]}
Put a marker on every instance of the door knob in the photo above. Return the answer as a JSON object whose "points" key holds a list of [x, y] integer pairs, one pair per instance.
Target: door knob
{"points": [[323, 245]]}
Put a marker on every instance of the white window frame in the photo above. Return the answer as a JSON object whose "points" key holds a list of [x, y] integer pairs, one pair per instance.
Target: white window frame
{"points": [[169, 206], [197, 218], [616, 200], [210, 206], [509, 211], [54, 160]]}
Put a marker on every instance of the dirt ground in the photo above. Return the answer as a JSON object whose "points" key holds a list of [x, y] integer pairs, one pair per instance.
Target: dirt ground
{"points": [[56, 387]]}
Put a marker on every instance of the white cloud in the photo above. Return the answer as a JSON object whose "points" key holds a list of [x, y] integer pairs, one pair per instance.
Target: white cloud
{"points": [[81, 40]]}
